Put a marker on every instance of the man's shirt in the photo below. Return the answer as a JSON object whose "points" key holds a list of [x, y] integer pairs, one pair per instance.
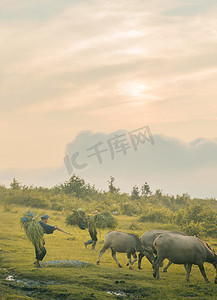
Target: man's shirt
{"points": [[47, 228]]}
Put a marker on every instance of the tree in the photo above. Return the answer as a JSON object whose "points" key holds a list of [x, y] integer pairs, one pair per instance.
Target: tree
{"points": [[145, 189], [135, 193], [75, 185], [159, 194], [15, 185], [112, 188]]}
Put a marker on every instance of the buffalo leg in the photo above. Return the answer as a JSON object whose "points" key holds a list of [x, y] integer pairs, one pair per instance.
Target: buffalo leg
{"points": [[129, 260], [188, 270], [140, 260], [115, 258], [141, 255], [135, 258], [201, 267], [167, 266], [102, 251], [156, 267]]}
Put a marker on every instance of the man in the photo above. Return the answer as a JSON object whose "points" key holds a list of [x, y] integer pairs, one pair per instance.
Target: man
{"points": [[93, 235], [48, 229], [92, 232]]}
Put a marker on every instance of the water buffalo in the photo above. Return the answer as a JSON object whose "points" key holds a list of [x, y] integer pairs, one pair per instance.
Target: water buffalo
{"points": [[148, 239], [186, 250], [124, 243]]}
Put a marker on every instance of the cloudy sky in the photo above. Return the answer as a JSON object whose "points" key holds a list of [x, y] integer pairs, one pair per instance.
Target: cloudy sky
{"points": [[70, 66]]}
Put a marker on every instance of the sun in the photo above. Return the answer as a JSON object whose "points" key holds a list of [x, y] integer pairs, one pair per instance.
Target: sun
{"points": [[136, 89], [134, 92]]}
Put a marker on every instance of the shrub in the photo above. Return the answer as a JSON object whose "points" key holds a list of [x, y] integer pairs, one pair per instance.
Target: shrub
{"points": [[131, 209], [134, 226], [161, 215], [197, 218], [210, 228], [193, 228]]}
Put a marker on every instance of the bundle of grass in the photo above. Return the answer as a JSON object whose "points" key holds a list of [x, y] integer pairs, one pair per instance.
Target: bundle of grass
{"points": [[101, 221], [104, 220], [78, 218], [33, 229]]}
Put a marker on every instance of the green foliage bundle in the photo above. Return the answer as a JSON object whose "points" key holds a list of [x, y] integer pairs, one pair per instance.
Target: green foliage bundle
{"points": [[78, 218], [33, 229], [104, 220]]}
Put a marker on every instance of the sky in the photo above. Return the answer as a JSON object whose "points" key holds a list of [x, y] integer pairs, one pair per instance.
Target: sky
{"points": [[71, 67]]}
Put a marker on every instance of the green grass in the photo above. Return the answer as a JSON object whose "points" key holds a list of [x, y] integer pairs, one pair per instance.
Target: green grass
{"points": [[106, 281]]}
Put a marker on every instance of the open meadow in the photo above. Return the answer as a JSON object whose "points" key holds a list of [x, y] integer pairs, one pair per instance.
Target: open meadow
{"points": [[20, 280]]}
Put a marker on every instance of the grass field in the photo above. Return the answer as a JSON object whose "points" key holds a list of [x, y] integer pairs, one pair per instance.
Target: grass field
{"points": [[87, 281]]}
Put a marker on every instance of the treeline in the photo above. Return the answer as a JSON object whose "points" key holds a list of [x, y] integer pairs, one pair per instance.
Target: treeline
{"points": [[194, 219], [194, 216]]}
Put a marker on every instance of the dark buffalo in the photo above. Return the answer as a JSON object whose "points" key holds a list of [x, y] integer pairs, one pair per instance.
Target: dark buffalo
{"points": [[148, 239], [186, 250]]}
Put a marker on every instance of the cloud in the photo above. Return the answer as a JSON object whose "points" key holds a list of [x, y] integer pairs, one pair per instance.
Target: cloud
{"points": [[169, 164]]}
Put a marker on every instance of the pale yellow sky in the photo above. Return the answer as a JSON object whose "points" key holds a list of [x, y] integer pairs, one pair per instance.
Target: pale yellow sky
{"points": [[103, 66]]}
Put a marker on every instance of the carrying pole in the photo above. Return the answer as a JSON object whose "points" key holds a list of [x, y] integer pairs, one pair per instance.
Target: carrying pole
{"points": [[65, 232]]}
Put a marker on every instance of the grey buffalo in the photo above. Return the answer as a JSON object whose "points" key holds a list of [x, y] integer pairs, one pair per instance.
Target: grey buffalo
{"points": [[148, 239], [186, 250], [124, 243]]}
